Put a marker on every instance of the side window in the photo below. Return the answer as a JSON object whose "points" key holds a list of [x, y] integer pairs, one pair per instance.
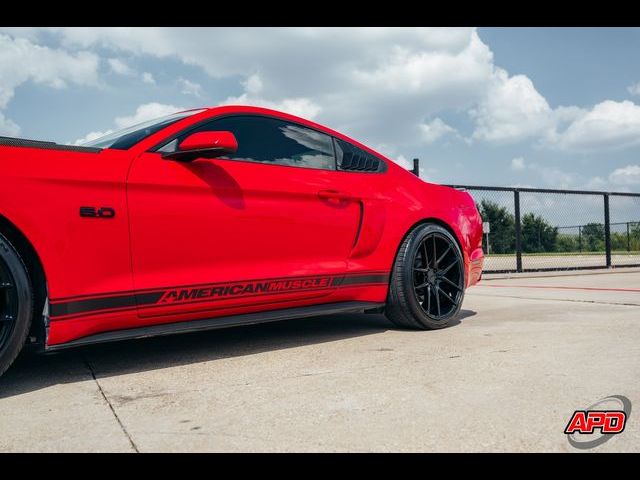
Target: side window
{"points": [[352, 158], [269, 140]]}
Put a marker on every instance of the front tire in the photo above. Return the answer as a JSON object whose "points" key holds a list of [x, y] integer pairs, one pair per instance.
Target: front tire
{"points": [[16, 304], [427, 281]]}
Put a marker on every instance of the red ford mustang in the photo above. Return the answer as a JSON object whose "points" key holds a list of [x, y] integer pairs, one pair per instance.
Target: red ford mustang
{"points": [[217, 217]]}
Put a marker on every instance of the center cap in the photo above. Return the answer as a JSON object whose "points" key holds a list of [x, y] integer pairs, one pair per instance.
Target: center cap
{"points": [[431, 276]]}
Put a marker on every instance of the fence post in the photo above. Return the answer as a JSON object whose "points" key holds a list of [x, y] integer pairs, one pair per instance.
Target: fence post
{"points": [[516, 204], [416, 167], [607, 230], [628, 238]]}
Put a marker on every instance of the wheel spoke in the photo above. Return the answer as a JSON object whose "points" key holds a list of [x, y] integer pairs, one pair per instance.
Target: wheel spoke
{"points": [[446, 296], [8, 303], [441, 257], [445, 270], [435, 256], [429, 278], [424, 254], [445, 279]]}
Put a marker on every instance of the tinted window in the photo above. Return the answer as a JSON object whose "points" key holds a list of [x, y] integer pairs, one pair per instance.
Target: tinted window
{"points": [[269, 140]]}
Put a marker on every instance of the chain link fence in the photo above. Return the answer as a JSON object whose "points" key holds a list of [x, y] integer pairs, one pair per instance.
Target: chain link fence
{"points": [[528, 229]]}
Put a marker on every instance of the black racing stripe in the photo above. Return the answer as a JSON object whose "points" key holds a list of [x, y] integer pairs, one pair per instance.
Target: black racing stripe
{"points": [[110, 303], [91, 304], [359, 279], [132, 300], [149, 297]]}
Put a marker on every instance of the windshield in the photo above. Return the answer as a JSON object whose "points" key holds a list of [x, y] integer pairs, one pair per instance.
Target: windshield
{"points": [[127, 137]]}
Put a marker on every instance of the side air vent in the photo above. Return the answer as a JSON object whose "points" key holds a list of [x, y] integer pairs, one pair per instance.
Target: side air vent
{"points": [[353, 159]]}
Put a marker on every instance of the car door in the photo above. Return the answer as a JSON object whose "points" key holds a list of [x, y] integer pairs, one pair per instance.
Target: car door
{"points": [[272, 224]]}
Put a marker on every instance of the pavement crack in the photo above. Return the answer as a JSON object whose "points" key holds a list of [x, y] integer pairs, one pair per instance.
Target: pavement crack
{"points": [[104, 396]]}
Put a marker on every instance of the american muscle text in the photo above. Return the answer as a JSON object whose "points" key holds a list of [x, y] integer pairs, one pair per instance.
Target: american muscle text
{"points": [[243, 288]]}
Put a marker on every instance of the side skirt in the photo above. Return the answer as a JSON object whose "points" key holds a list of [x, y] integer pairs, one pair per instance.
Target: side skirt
{"points": [[220, 322]]}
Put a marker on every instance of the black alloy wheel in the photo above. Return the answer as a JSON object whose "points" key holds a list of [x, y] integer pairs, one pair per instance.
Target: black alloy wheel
{"points": [[427, 281], [437, 276], [8, 303], [16, 304]]}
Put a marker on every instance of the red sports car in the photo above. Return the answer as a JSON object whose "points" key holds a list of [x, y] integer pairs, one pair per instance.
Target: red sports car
{"points": [[216, 217]]}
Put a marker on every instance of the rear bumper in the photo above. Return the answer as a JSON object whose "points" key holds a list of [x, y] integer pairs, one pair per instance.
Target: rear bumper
{"points": [[476, 262]]}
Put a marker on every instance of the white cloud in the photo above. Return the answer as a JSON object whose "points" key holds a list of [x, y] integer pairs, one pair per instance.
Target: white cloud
{"points": [[518, 164], [30, 33], [376, 84], [360, 76], [302, 107], [512, 111], [119, 67], [91, 136], [8, 128], [22, 61], [148, 78], [634, 88], [434, 130], [404, 162], [549, 175], [596, 183], [608, 125], [253, 84], [556, 178], [629, 175], [190, 88], [145, 112], [426, 173]]}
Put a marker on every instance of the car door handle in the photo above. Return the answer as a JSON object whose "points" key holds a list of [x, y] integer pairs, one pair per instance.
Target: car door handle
{"points": [[334, 195]]}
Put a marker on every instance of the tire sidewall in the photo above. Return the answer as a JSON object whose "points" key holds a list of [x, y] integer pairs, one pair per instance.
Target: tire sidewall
{"points": [[414, 243], [10, 258]]}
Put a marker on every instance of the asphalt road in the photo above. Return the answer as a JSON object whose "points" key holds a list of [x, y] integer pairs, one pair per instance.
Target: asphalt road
{"points": [[524, 354]]}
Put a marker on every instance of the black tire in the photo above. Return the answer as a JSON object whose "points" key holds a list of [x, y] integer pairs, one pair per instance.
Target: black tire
{"points": [[420, 295], [16, 304]]}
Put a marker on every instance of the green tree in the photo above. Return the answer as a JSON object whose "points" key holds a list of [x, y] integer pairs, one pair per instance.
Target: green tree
{"points": [[593, 237], [634, 231], [619, 241], [537, 234], [567, 243], [502, 238]]}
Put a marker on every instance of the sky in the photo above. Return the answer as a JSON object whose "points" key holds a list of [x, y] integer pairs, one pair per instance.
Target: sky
{"points": [[537, 107]]}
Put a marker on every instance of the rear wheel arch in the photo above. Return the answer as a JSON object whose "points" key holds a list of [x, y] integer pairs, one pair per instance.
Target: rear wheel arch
{"points": [[36, 274], [424, 221]]}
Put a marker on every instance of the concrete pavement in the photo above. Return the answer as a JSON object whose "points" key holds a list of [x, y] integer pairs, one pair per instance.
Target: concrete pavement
{"points": [[506, 376]]}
